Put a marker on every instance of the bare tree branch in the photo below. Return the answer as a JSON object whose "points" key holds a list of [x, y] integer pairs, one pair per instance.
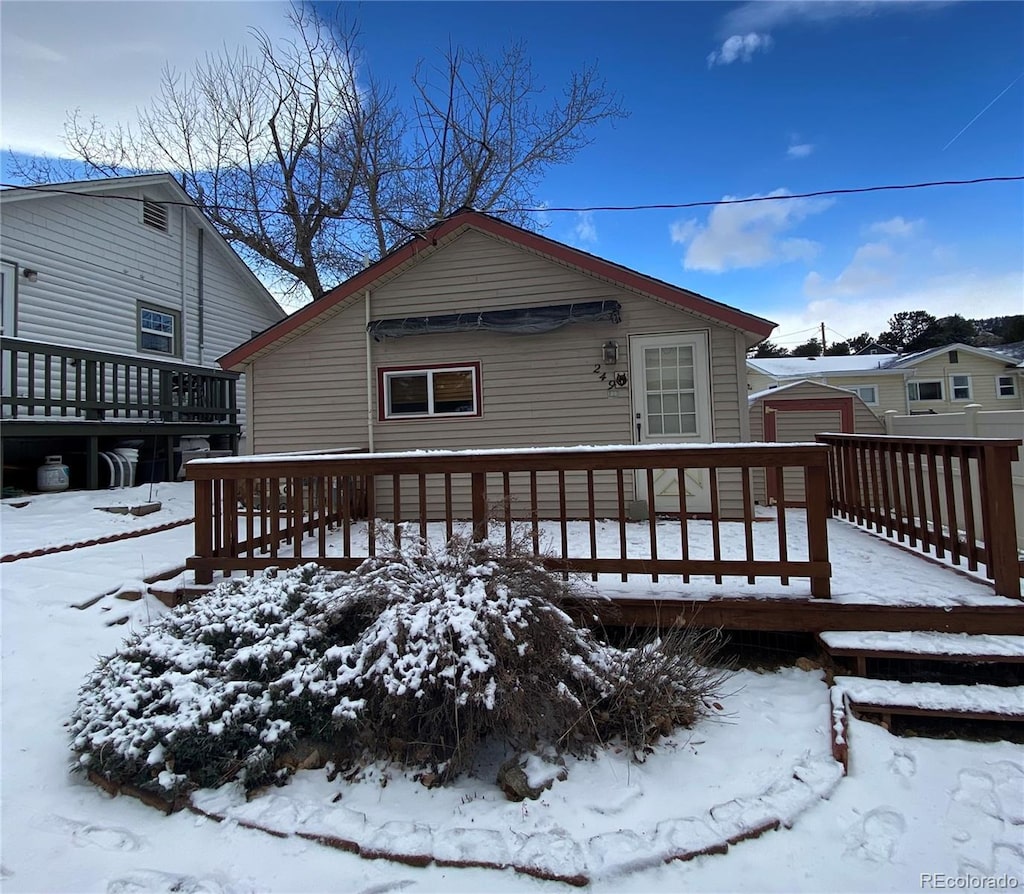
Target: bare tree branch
{"points": [[306, 163]]}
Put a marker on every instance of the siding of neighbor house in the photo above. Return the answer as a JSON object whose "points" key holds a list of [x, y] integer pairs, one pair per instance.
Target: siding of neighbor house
{"points": [[795, 426], [538, 390], [891, 390], [865, 422], [96, 260], [892, 383], [983, 372]]}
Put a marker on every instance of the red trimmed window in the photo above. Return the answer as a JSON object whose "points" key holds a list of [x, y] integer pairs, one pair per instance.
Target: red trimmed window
{"points": [[428, 391]]}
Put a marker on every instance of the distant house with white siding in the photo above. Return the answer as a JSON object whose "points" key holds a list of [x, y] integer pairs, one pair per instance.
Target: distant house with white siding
{"points": [[131, 270], [480, 334], [940, 380]]}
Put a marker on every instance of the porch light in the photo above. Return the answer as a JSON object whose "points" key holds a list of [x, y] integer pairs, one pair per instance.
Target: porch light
{"points": [[610, 352], [30, 275]]}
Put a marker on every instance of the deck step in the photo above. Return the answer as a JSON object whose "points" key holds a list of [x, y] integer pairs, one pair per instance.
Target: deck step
{"points": [[982, 648], [888, 697]]}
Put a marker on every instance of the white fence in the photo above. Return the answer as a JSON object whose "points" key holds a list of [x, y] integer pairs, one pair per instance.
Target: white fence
{"points": [[972, 423]]}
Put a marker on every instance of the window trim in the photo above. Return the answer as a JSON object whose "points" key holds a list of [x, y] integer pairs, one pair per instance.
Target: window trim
{"points": [[953, 387], [856, 390], [1012, 379], [176, 341], [916, 385], [386, 372], [10, 298]]}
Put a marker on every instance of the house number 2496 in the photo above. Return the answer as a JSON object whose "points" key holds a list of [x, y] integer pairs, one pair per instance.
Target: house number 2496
{"points": [[614, 380]]}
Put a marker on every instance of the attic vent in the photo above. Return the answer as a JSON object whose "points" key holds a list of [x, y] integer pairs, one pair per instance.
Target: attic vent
{"points": [[154, 215]]}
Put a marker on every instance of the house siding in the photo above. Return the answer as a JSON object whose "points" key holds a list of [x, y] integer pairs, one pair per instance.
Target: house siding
{"points": [[803, 425], [537, 390], [96, 260], [892, 383], [892, 393], [983, 372]]}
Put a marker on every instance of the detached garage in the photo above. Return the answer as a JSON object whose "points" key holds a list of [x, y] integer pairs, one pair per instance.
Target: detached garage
{"points": [[795, 414]]}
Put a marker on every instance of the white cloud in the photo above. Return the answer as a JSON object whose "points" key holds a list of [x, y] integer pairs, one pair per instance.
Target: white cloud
{"points": [[585, 229], [763, 16], [106, 58], [880, 281], [25, 51], [748, 235], [799, 150], [896, 227], [941, 295], [869, 270], [739, 47], [759, 18]]}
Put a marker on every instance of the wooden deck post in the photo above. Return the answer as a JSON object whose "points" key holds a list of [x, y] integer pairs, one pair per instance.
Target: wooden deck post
{"points": [[479, 490], [92, 463], [816, 495], [998, 518], [92, 395], [204, 528]]}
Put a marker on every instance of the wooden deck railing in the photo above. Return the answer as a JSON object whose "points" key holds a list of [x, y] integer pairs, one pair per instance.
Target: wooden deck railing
{"points": [[952, 497], [41, 380], [316, 504]]}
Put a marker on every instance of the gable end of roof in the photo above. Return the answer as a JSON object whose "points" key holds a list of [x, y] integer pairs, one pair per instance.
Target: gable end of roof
{"points": [[410, 252]]}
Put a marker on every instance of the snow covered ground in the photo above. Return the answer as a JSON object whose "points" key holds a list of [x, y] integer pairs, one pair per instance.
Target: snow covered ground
{"points": [[912, 814]]}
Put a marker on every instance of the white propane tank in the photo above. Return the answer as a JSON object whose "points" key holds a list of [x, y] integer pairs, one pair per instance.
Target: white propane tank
{"points": [[53, 475]]}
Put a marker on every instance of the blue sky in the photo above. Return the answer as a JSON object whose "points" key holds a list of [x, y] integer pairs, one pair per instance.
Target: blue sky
{"points": [[726, 100]]}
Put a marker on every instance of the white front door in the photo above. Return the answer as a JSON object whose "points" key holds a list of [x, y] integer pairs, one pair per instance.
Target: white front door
{"points": [[671, 391]]}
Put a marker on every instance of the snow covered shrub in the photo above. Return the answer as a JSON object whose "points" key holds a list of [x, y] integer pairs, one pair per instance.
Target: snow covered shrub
{"points": [[191, 701], [419, 656]]}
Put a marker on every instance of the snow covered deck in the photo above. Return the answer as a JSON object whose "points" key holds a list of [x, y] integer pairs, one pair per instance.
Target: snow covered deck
{"points": [[737, 565]]}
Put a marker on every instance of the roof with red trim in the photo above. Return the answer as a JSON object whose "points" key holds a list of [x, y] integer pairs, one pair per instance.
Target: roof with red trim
{"points": [[419, 247]]}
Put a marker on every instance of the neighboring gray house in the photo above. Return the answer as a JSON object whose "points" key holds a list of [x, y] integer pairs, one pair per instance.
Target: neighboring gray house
{"points": [[482, 334], [132, 271]]}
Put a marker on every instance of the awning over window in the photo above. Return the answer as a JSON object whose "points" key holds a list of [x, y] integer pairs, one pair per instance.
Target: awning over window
{"points": [[514, 321]]}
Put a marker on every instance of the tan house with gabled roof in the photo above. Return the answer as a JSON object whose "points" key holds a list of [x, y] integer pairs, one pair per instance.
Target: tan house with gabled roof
{"points": [[940, 380], [481, 334]]}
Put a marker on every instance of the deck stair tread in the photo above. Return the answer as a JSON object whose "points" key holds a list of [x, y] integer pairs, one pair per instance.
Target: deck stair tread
{"points": [[925, 644], [979, 700]]}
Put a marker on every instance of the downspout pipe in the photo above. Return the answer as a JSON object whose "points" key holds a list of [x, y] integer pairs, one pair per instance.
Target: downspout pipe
{"points": [[200, 295], [183, 257], [369, 374]]}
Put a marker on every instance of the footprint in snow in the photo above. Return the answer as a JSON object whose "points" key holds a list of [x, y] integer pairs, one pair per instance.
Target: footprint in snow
{"points": [[903, 764], [979, 820], [387, 887], [877, 835], [620, 805], [110, 838], [977, 789], [1009, 789], [1001, 859], [150, 881]]}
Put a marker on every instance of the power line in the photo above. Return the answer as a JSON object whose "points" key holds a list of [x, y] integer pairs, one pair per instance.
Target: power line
{"points": [[793, 334], [651, 207], [804, 195]]}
